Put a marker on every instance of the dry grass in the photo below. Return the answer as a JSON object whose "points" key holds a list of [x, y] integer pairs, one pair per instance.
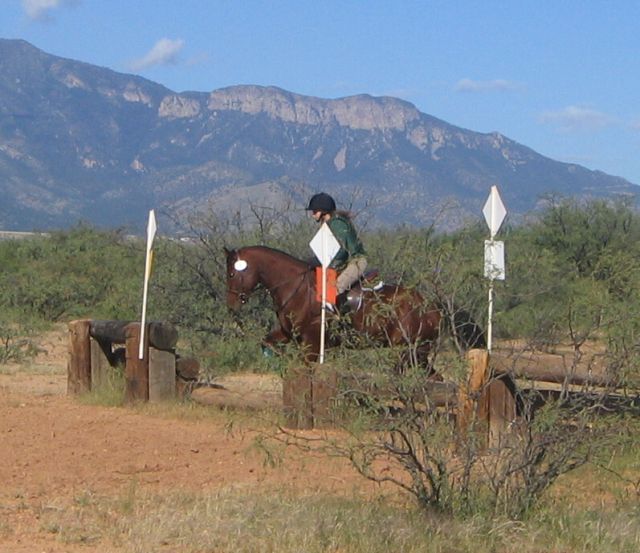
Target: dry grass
{"points": [[239, 521]]}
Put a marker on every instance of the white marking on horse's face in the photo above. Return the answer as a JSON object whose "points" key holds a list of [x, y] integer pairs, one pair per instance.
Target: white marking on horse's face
{"points": [[240, 265]]}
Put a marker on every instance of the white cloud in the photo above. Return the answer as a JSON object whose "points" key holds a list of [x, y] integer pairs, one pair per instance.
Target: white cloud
{"points": [[495, 85], [41, 9], [577, 118], [164, 52]]}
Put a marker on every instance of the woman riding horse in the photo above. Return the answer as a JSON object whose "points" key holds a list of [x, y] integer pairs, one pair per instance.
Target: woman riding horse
{"points": [[350, 262], [392, 315]]}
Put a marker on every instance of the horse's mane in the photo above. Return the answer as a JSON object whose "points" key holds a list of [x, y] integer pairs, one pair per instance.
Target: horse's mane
{"points": [[277, 253]]}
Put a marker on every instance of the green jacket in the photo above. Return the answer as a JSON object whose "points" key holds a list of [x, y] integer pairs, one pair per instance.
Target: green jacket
{"points": [[350, 245]]}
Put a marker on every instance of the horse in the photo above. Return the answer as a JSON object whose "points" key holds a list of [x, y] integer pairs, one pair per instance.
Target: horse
{"points": [[390, 314]]}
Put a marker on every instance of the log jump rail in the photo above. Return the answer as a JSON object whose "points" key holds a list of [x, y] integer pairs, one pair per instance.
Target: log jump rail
{"points": [[489, 396], [92, 354]]}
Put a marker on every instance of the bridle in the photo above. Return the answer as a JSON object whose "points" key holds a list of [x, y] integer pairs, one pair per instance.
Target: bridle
{"points": [[244, 296]]}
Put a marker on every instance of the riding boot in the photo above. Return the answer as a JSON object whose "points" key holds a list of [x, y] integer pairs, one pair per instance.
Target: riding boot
{"points": [[341, 302]]}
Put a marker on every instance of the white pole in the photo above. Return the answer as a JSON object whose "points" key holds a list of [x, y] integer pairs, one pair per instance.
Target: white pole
{"points": [[143, 318], [489, 323], [151, 232], [490, 314], [323, 315]]}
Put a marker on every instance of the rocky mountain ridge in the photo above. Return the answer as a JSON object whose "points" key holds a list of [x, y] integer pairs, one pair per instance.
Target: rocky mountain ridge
{"points": [[81, 142]]}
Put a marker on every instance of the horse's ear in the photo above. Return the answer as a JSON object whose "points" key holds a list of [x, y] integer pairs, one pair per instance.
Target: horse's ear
{"points": [[226, 251]]}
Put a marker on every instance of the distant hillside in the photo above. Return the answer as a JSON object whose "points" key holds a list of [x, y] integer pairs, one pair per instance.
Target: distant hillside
{"points": [[81, 142]]}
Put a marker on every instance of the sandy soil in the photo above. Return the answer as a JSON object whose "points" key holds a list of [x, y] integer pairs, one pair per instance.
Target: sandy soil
{"points": [[53, 449]]}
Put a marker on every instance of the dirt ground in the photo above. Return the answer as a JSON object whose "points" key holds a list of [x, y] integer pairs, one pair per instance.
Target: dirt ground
{"points": [[54, 448]]}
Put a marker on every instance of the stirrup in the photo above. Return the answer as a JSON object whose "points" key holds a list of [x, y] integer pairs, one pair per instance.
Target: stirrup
{"points": [[331, 308]]}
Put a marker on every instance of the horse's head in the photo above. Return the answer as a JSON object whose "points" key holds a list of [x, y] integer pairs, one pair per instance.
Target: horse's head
{"points": [[242, 277]]}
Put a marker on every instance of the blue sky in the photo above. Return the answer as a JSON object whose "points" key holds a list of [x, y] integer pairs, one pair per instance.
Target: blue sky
{"points": [[562, 77]]}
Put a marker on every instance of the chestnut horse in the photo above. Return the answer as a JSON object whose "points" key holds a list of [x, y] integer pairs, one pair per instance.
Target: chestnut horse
{"points": [[392, 315]]}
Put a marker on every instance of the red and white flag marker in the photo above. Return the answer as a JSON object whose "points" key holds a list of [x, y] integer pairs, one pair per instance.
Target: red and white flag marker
{"points": [[325, 247]]}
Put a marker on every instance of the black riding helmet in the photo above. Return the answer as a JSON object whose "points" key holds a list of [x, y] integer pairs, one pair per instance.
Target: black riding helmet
{"points": [[322, 202]]}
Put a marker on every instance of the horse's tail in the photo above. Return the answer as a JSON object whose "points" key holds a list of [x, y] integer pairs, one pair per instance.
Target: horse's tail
{"points": [[465, 331], [468, 331]]}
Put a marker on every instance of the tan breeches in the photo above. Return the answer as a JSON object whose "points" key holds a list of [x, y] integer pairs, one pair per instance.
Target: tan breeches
{"points": [[352, 272]]}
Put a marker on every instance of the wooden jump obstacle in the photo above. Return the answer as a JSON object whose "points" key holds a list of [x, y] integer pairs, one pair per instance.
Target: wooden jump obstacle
{"points": [[92, 354], [310, 395], [488, 397]]}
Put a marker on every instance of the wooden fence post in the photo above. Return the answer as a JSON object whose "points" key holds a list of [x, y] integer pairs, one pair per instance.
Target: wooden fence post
{"points": [[162, 374], [491, 397], [324, 386], [470, 392], [501, 407], [136, 370], [100, 365], [79, 361], [297, 398]]}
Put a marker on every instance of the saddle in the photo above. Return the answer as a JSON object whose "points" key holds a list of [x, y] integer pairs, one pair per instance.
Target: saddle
{"points": [[353, 299]]}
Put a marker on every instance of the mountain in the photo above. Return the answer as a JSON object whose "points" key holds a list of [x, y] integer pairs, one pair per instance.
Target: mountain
{"points": [[81, 142]]}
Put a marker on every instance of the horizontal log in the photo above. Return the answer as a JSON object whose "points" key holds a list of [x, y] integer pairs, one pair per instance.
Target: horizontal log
{"points": [[108, 331], [253, 400], [187, 368], [556, 368], [440, 394], [162, 335]]}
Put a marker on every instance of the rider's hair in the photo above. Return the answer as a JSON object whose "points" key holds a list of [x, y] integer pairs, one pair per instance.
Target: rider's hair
{"points": [[344, 213]]}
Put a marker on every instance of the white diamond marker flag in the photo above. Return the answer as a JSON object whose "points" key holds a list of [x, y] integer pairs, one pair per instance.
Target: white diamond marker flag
{"points": [[324, 245], [494, 211]]}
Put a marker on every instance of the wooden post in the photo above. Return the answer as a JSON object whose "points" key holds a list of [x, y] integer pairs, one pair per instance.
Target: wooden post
{"points": [[491, 397], [501, 409], [100, 365], [162, 374], [324, 386], [469, 393], [79, 362], [297, 398], [136, 370]]}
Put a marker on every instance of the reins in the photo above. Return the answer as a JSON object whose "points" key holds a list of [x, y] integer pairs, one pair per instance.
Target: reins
{"points": [[294, 292], [272, 289]]}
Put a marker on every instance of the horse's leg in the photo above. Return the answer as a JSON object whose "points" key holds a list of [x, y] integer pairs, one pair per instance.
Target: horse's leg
{"points": [[424, 360], [418, 357], [275, 338], [310, 340]]}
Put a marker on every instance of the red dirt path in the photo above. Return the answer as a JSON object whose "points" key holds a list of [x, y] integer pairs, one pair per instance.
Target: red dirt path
{"points": [[54, 449]]}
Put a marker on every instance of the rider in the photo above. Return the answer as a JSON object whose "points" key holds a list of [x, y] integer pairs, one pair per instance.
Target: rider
{"points": [[350, 262]]}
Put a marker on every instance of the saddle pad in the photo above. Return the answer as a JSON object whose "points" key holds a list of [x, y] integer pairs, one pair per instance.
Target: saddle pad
{"points": [[374, 288], [332, 290]]}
